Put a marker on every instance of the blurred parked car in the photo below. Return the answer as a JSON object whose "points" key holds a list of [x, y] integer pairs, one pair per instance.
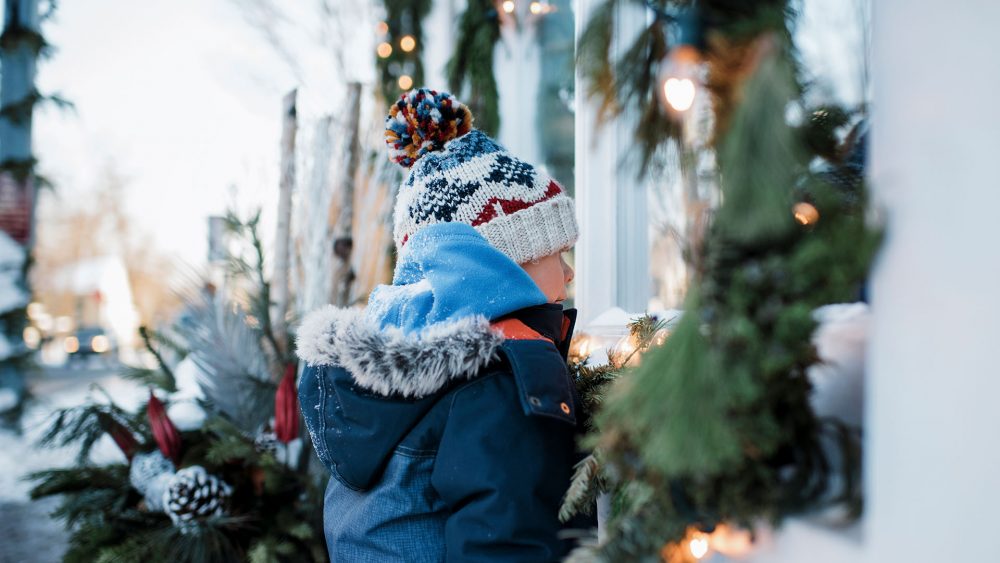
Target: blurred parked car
{"points": [[88, 342]]}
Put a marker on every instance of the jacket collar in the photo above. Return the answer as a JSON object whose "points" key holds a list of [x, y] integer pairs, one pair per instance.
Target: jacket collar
{"points": [[389, 361], [549, 320]]}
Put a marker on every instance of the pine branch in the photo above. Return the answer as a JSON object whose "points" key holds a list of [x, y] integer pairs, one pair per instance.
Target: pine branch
{"points": [[168, 374], [85, 424], [586, 485], [260, 301], [470, 68], [150, 377], [236, 377]]}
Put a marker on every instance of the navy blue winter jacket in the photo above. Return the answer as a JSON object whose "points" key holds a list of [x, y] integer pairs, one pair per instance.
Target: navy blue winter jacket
{"points": [[449, 437]]}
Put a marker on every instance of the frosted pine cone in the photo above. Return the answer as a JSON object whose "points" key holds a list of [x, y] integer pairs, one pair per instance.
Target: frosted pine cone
{"points": [[193, 495]]}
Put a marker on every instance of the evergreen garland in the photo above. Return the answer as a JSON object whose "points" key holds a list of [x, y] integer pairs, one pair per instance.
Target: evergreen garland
{"points": [[403, 17], [470, 69], [629, 82], [715, 427]]}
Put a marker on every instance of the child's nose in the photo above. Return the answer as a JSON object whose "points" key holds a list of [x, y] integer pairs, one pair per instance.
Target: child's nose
{"points": [[568, 273]]}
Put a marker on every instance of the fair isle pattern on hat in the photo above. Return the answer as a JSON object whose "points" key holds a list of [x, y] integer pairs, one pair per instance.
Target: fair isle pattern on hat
{"points": [[472, 179]]}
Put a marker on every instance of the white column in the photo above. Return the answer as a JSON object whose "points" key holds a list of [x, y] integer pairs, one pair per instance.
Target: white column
{"points": [[440, 31], [612, 256], [932, 458], [517, 67]]}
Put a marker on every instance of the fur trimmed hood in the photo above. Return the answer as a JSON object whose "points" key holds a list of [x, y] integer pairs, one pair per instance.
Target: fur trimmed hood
{"points": [[432, 325], [388, 360]]}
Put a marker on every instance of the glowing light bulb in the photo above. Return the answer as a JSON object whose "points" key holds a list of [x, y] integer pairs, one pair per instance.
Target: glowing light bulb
{"points": [[805, 213], [732, 542], [35, 310], [679, 93], [382, 28], [536, 8], [698, 545], [508, 6], [581, 347], [405, 82], [384, 50], [32, 337], [679, 77], [407, 43]]}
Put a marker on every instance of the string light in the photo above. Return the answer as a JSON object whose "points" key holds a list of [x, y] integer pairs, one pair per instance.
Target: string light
{"points": [[382, 28], [580, 347], [805, 213], [731, 542], [407, 43], [698, 545], [680, 71], [679, 76], [384, 50], [508, 6], [540, 8], [405, 82]]}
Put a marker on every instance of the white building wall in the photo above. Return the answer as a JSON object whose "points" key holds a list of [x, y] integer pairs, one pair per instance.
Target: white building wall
{"points": [[932, 458]]}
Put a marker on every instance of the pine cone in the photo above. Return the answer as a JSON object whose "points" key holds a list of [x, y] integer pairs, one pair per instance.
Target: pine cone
{"points": [[193, 495]]}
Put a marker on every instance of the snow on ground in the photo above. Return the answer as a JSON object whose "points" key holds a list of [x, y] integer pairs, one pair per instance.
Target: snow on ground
{"points": [[27, 532], [18, 454]]}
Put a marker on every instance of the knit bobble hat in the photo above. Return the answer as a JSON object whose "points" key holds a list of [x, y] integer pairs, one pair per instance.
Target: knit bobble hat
{"points": [[459, 174]]}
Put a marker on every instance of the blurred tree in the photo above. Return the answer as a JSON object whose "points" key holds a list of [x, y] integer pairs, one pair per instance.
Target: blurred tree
{"points": [[95, 225], [20, 45]]}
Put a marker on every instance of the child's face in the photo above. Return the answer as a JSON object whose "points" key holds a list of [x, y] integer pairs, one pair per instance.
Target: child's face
{"points": [[552, 274]]}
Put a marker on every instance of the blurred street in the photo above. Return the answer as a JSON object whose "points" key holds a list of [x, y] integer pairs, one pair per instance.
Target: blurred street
{"points": [[29, 534]]}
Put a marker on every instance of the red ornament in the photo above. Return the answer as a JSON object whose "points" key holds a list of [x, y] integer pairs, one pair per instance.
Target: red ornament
{"points": [[122, 436], [286, 407], [167, 437]]}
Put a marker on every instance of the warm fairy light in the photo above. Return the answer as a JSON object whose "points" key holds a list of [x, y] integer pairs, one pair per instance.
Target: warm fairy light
{"points": [[660, 337], [32, 338], [679, 76], [679, 93], [382, 28], [71, 344], [580, 347], [35, 310], [405, 82], [538, 8], [805, 213], [732, 542], [625, 352], [407, 43], [384, 50], [698, 545], [726, 540], [508, 6]]}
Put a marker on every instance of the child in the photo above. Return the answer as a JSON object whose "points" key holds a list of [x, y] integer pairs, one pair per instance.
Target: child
{"points": [[444, 410]]}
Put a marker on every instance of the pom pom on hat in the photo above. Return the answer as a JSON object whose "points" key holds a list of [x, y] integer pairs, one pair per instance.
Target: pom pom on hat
{"points": [[422, 121]]}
